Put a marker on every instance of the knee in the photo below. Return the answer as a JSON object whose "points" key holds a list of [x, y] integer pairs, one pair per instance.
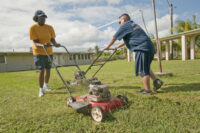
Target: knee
{"points": [[41, 72]]}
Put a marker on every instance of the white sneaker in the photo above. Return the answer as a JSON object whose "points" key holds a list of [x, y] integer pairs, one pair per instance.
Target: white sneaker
{"points": [[46, 87], [41, 93]]}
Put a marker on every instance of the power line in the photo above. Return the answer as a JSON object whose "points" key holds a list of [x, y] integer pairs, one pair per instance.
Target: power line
{"points": [[144, 21], [168, 2], [114, 21]]}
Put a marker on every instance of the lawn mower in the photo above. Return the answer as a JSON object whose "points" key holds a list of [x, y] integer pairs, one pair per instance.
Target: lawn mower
{"points": [[79, 76], [98, 102]]}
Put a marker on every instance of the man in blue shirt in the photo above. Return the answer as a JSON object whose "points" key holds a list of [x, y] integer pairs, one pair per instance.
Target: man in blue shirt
{"points": [[136, 40]]}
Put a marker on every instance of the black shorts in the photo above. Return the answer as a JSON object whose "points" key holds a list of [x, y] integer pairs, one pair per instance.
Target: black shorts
{"points": [[142, 63], [42, 61]]}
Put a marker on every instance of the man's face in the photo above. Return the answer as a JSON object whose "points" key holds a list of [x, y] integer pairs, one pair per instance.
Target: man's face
{"points": [[121, 20], [41, 20]]}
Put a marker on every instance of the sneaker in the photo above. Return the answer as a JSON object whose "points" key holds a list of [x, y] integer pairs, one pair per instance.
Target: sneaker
{"points": [[157, 84], [149, 92], [41, 93], [46, 87]]}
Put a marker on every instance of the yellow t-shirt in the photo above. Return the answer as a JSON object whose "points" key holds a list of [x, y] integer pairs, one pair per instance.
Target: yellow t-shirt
{"points": [[43, 34]]}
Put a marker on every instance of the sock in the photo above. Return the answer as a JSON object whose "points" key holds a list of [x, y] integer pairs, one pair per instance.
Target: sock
{"points": [[45, 84], [41, 89]]}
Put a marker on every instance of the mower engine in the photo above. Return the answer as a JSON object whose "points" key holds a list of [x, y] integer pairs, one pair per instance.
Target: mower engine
{"points": [[99, 93], [80, 79], [78, 75]]}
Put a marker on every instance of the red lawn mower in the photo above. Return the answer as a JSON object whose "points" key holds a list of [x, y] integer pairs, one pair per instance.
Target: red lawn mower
{"points": [[98, 102]]}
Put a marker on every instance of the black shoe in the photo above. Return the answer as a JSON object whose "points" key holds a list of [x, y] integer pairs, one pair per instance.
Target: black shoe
{"points": [[157, 84], [148, 92]]}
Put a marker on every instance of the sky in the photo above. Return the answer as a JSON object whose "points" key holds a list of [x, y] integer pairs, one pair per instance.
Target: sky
{"points": [[83, 24]]}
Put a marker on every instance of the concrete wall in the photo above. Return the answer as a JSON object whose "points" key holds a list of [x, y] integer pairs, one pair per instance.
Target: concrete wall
{"points": [[17, 63], [23, 61], [65, 60]]}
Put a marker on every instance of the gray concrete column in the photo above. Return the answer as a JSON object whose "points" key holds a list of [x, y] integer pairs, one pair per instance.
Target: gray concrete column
{"points": [[128, 55], [133, 53], [183, 47], [166, 50], [192, 48], [171, 49]]}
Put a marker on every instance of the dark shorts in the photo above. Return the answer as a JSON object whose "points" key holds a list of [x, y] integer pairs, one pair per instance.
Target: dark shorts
{"points": [[142, 63], [42, 61]]}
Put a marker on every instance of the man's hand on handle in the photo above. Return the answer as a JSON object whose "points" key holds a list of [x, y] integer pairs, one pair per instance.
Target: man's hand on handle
{"points": [[107, 48], [47, 45], [57, 45]]}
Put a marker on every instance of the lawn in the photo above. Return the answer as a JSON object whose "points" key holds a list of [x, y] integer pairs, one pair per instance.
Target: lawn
{"points": [[176, 108]]}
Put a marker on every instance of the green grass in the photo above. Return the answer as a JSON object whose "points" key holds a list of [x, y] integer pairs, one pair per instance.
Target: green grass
{"points": [[175, 109]]}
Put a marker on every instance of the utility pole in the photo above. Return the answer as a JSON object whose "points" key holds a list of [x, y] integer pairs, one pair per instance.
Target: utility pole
{"points": [[171, 18], [157, 39], [171, 29]]}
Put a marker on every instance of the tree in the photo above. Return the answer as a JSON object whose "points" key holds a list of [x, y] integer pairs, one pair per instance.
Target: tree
{"points": [[89, 50], [96, 48], [194, 24]]}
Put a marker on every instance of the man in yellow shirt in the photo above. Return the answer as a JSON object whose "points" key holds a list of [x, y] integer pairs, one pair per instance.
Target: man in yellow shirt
{"points": [[42, 34]]}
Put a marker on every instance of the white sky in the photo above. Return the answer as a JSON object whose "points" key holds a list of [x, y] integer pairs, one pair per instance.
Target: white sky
{"points": [[75, 27]]}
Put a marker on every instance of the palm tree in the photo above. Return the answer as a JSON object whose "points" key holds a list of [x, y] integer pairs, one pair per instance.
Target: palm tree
{"points": [[194, 24]]}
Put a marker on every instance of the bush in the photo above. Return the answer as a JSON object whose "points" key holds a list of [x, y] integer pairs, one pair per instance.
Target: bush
{"points": [[114, 57]]}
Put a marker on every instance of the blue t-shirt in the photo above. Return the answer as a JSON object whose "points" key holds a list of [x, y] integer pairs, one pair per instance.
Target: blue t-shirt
{"points": [[134, 37]]}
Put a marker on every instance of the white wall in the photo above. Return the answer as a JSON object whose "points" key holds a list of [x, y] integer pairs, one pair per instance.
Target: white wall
{"points": [[19, 62]]}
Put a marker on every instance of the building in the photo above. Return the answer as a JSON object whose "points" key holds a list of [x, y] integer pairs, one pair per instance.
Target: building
{"points": [[190, 35], [19, 61], [167, 41]]}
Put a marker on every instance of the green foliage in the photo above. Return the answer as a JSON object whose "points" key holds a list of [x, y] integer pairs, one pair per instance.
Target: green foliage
{"points": [[175, 109], [97, 49], [118, 52], [183, 26], [194, 24], [90, 50], [114, 57], [197, 41], [107, 53]]}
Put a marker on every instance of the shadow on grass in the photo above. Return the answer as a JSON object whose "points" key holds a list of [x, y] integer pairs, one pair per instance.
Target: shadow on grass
{"points": [[64, 92], [110, 117], [183, 87], [60, 88], [125, 87]]}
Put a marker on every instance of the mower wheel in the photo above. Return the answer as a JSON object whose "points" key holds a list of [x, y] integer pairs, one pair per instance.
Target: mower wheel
{"points": [[97, 113], [70, 99], [124, 98]]}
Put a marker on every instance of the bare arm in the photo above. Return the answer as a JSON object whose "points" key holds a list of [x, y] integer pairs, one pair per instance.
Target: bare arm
{"points": [[55, 43], [37, 43], [111, 42], [120, 45]]}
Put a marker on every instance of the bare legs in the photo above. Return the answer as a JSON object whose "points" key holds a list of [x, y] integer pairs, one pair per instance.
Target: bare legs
{"points": [[146, 80], [47, 75], [44, 76]]}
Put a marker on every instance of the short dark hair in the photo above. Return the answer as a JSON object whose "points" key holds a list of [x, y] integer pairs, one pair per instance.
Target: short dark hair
{"points": [[127, 17]]}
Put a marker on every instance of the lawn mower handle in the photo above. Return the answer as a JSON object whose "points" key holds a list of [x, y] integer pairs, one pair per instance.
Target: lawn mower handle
{"points": [[69, 56], [97, 59], [43, 46], [104, 62], [109, 49]]}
